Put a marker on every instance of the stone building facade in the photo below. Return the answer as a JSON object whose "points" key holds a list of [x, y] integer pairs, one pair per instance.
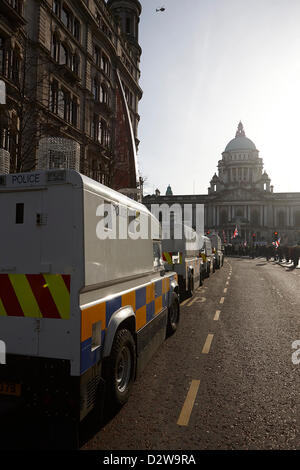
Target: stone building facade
{"points": [[241, 195], [72, 70]]}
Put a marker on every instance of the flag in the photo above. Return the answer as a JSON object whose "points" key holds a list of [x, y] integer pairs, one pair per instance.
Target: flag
{"points": [[235, 233]]}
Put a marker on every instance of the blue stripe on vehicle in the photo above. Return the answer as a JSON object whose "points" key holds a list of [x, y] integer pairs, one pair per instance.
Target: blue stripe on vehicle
{"points": [[150, 309], [112, 306], [158, 288], [140, 297]]}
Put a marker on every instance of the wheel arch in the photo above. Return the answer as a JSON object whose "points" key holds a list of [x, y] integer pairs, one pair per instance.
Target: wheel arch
{"points": [[124, 318]]}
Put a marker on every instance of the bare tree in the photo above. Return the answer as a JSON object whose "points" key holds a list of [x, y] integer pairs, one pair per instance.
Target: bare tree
{"points": [[26, 113]]}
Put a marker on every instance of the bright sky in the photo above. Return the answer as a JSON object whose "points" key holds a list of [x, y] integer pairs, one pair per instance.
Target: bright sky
{"points": [[206, 65]]}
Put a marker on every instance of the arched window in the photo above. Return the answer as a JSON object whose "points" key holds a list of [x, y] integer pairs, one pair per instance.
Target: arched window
{"points": [[103, 94], [65, 55]]}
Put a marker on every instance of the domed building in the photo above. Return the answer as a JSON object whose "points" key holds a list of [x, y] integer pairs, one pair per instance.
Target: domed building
{"points": [[240, 166], [241, 195]]}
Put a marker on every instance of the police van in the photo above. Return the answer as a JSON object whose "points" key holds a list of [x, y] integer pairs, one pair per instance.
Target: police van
{"points": [[206, 253], [180, 245], [218, 251], [84, 297]]}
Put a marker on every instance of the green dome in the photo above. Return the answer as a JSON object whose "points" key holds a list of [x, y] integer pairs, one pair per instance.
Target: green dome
{"points": [[240, 143]]}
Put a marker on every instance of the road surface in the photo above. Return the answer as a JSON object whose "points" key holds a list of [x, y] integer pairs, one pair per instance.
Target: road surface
{"points": [[226, 379]]}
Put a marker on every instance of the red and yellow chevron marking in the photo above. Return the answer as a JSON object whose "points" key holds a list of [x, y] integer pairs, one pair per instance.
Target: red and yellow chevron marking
{"points": [[35, 295]]}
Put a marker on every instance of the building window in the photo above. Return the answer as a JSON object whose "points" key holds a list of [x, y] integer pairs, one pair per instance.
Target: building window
{"points": [[55, 48], [103, 94], [16, 63], [96, 89], [98, 19], [61, 104], [64, 104], [77, 29], [2, 56], [67, 18], [105, 65], [16, 5], [4, 138], [128, 26], [72, 23], [75, 64], [56, 7], [100, 131], [64, 55], [97, 55], [75, 108], [54, 96]]}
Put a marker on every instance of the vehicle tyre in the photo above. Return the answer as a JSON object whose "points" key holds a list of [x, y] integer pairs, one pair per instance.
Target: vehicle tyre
{"points": [[120, 368], [173, 315]]}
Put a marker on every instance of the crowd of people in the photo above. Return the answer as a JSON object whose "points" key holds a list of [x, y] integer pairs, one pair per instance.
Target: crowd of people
{"points": [[280, 253]]}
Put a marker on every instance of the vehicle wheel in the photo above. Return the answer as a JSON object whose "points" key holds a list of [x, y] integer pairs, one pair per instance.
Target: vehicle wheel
{"points": [[173, 315], [191, 289], [120, 368]]}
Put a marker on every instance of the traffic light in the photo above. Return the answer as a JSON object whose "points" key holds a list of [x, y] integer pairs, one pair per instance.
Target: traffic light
{"points": [[275, 236], [253, 236]]}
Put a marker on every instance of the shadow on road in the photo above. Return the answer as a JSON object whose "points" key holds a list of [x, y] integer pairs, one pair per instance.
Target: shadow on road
{"points": [[91, 426]]}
